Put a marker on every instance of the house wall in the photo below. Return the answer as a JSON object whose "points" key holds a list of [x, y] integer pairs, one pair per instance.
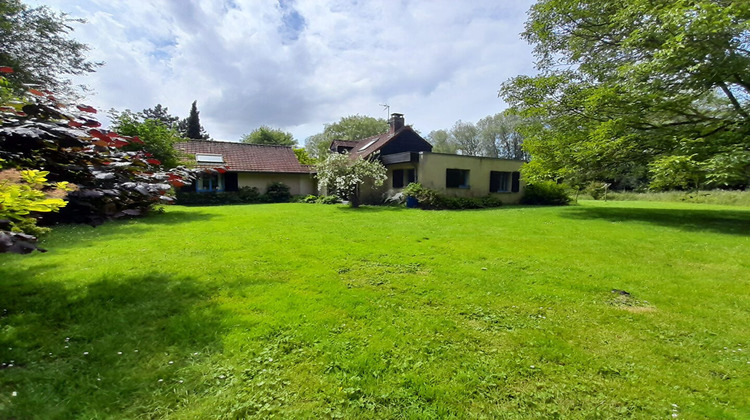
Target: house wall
{"points": [[370, 195], [432, 168], [299, 184]]}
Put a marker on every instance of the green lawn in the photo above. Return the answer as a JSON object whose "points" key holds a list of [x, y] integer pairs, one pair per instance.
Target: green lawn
{"points": [[312, 311]]}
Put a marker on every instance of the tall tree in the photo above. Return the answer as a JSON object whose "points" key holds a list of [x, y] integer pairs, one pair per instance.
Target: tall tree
{"points": [[353, 127], [662, 84], [268, 135], [466, 138], [36, 44], [191, 127], [500, 138]]}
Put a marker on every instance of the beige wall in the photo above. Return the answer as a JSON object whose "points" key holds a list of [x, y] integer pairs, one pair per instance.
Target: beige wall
{"points": [[376, 195], [299, 184], [431, 174], [432, 166]]}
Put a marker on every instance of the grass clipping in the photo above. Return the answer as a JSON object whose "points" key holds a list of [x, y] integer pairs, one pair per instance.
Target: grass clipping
{"points": [[625, 301]]}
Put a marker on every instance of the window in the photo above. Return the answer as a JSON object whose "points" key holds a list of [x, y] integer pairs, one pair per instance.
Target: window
{"points": [[208, 158], [368, 145], [504, 181], [404, 177], [398, 178], [209, 183], [456, 178], [499, 181], [411, 176]]}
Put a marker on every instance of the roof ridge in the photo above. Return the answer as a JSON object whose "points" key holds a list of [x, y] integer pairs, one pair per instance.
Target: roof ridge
{"points": [[234, 142]]}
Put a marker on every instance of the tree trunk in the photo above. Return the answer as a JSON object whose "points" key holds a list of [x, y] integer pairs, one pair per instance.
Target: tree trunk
{"points": [[354, 198]]}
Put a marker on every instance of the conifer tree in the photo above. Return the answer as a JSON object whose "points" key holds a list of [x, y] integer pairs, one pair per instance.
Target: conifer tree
{"points": [[191, 127]]}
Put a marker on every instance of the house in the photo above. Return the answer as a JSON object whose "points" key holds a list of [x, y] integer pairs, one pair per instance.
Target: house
{"points": [[408, 158], [247, 165]]}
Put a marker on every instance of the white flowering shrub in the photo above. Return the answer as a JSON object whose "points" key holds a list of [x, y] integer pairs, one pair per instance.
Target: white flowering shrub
{"points": [[341, 174]]}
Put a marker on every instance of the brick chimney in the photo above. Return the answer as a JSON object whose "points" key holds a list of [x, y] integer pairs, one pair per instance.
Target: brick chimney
{"points": [[396, 122]]}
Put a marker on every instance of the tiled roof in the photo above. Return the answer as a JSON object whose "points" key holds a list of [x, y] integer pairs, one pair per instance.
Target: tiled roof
{"points": [[242, 157], [369, 145], [346, 143]]}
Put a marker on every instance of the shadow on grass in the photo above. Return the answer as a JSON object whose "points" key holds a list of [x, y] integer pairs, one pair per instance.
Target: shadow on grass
{"points": [[372, 209], [98, 348], [731, 222], [176, 215], [85, 235]]}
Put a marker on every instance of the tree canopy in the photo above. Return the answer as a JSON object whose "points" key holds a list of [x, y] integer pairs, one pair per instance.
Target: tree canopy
{"points": [[630, 85], [268, 135], [495, 136], [36, 44], [353, 127], [161, 113], [157, 137]]}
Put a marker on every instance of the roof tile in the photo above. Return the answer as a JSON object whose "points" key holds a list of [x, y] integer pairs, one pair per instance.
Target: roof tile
{"points": [[243, 157]]}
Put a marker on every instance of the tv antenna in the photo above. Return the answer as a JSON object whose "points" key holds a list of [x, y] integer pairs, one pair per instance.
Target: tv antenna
{"points": [[387, 109]]}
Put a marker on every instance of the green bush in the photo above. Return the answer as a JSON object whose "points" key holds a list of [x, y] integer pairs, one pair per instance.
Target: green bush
{"points": [[426, 197], [323, 199], [246, 195], [466, 203], [249, 195], [328, 199], [546, 193], [431, 199], [278, 192]]}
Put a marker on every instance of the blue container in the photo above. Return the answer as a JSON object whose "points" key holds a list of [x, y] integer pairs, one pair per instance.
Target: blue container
{"points": [[411, 202]]}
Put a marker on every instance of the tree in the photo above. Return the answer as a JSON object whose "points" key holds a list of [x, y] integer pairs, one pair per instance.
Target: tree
{"points": [[303, 157], [36, 44], [267, 135], [353, 127], [442, 142], [500, 138], [191, 127], [161, 114], [631, 83], [340, 173], [466, 138], [158, 139], [317, 146]]}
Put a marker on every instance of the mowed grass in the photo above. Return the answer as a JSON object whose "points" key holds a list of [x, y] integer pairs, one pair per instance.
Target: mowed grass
{"points": [[312, 311]]}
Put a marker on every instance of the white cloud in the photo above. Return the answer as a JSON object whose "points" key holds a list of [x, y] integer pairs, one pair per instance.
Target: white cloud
{"points": [[299, 64]]}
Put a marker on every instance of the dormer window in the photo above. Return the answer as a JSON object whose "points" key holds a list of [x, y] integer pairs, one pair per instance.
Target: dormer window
{"points": [[208, 158]]}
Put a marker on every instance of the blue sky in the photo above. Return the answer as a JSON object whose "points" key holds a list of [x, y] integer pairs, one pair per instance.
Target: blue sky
{"points": [[299, 64]]}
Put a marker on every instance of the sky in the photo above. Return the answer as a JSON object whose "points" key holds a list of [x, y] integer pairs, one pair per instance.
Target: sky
{"points": [[299, 64]]}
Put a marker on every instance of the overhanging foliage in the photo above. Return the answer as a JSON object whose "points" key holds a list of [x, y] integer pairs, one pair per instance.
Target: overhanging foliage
{"points": [[625, 86]]}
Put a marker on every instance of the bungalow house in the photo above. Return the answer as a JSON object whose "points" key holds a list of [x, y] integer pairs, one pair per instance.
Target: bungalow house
{"points": [[408, 158], [247, 165]]}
